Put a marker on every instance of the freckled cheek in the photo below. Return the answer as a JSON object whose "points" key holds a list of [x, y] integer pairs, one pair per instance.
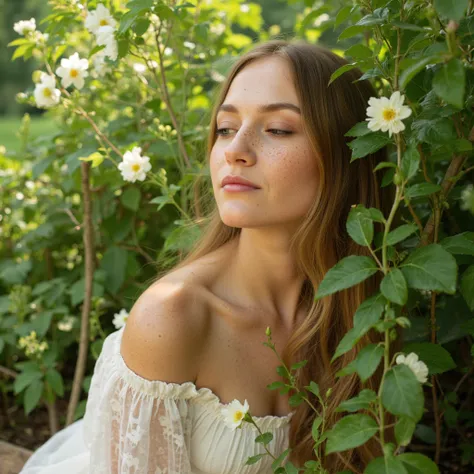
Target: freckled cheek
{"points": [[292, 172]]}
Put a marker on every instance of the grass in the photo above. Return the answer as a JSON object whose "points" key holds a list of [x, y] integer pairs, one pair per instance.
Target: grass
{"points": [[9, 127]]}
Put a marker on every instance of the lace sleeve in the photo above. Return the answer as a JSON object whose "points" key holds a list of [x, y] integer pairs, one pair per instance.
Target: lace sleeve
{"points": [[133, 425]]}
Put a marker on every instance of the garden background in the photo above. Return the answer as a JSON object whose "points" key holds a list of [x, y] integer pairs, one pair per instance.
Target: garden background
{"points": [[79, 241]]}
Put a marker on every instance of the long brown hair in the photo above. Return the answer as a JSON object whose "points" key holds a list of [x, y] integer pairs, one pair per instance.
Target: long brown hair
{"points": [[321, 241]]}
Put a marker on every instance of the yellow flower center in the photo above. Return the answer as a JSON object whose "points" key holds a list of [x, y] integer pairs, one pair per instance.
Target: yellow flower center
{"points": [[238, 415], [74, 72], [47, 92], [103, 22], [136, 167], [389, 114]]}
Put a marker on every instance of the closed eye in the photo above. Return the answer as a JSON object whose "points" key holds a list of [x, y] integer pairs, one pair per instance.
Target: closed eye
{"points": [[275, 131]]}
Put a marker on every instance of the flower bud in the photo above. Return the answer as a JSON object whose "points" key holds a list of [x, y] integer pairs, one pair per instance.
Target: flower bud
{"points": [[36, 76], [403, 322], [268, 331], [397, 179]]}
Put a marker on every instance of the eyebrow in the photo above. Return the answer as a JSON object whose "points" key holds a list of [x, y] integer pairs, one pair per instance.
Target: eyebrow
{"points": [[262, 108]]}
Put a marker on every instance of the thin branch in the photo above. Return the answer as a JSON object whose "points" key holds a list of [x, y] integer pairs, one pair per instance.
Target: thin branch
{"points": [[8, 372], [88, 238]]}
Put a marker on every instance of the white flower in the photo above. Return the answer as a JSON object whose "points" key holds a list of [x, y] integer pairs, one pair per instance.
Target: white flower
{"points": [[24, 27], [66, 323], [134, 166], [106, 36], [244, 8], [46, 94], [234, 413], [418, 367], [217, 29], [120, 318], [40, 38], [387, 114], [100, 66], [139, 68], [99, 17], [73, 71]]}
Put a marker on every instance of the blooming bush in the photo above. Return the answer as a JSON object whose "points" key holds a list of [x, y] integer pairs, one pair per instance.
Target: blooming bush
{"points": [[110, 194]]}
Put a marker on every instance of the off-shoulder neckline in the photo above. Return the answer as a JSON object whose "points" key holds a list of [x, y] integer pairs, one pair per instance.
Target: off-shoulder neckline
{"points": [[189, 390]]}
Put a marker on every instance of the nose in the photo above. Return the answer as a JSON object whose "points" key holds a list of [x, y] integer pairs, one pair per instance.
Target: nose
{"points": [[240, 149]]}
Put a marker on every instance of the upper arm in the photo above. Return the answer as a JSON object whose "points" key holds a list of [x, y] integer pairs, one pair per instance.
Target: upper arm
{"points": [[164, 334]]}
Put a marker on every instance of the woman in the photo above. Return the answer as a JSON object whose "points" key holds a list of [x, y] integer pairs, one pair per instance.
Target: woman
{"points": [[193, 341]]}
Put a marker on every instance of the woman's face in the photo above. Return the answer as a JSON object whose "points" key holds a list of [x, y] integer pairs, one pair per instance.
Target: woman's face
{"points": [[267, 147]]}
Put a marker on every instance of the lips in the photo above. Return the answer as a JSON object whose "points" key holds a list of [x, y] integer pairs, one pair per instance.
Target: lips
{"points": [[238, 180]]}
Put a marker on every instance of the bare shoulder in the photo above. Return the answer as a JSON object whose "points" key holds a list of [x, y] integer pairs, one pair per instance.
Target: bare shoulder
{"points": [[165, 332]]}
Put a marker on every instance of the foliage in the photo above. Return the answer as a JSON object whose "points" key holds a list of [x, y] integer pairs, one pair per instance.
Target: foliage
{"points": [[156, 96]]}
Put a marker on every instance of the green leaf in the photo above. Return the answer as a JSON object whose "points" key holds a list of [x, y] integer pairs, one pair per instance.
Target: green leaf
{"points": [[404, 430], [346, 273], [366, 316], [385, 164], [449, 82], [400, 233], [416, 463], [131, 198], [410, 72], [467, 287], [452, 9], [254, 459], [290, 468], [264, 438], [114, 262], [422, 189], [367, 144], [359, 51], [359, 130], [340, 71], [315, 428], [365, 364], [275, 385], [42, 322], [360, 402], [436, 357], [386, 465], [360, 226], [434, 131], [141, 26], [394, 287], [25, 379], [54, 379], [431, 268], [460, 244], [276, 463], [298, 365], [402, 393], [33, 395], [350, 432], [296, 399], [342, 15], [350, 32], [410, 162], [313, 387]]}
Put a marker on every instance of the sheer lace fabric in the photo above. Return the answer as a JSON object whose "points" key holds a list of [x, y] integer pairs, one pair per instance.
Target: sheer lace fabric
{"points": [[137, 426]]}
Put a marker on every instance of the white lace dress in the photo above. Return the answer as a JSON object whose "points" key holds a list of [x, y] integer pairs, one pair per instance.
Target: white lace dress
{"points": [[137, 426]]}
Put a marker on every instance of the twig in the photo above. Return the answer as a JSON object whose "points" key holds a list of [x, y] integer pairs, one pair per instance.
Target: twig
{"points": [[88, 238], [8, 372]]}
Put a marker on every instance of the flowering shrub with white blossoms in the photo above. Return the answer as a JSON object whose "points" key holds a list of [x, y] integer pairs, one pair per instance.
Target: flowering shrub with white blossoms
{"points": [[120, 318], [134, 166], [417, 366], [120, 167], [24, 27]]}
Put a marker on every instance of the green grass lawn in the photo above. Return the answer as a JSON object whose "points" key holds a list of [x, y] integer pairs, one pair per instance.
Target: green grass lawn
{"points": [[9, 127]]}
